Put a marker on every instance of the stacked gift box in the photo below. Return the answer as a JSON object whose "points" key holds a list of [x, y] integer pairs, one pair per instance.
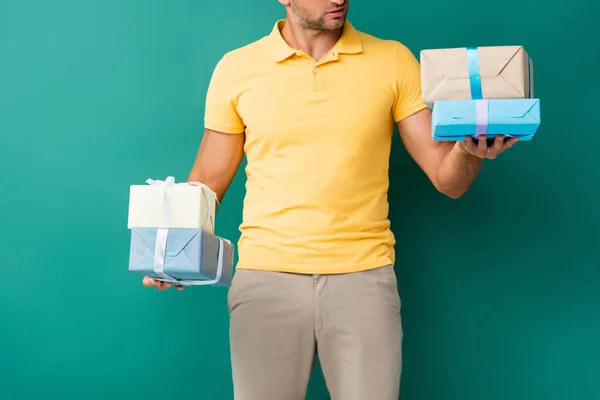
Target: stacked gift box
{"points": [[476, 91], [172, 234]]}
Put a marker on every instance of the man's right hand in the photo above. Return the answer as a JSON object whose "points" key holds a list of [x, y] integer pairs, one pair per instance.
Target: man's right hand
{"points": [[160, 285]]}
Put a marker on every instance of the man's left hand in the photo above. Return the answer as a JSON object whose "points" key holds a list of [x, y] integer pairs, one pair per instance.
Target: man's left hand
{"points": [[484, 150]]}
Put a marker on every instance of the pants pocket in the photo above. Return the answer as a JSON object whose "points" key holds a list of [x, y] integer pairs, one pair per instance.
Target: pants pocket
{"points": [[392, 284], [233, 289]]}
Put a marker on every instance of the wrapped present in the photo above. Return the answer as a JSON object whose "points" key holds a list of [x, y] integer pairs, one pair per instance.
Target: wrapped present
{"points": [[473, 73], [172, 234], [170, 204], [457, 119], [183, 256]]}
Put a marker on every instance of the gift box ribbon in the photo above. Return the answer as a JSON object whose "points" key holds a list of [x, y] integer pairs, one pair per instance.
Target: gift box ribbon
{"points": [[474, 74], [163, 231], [481, 117]]}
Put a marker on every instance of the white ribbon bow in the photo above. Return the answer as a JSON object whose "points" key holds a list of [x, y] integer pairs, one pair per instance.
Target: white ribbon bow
{"points": [[163, 230]]}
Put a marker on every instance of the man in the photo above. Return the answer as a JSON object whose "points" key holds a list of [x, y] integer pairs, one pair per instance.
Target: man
{"points": [[313, 106]]}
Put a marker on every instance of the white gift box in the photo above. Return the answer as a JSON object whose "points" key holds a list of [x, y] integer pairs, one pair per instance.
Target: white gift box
{"points": [[166, 204]]}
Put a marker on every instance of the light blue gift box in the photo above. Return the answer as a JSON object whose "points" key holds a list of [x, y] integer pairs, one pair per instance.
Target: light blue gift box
{"points": [[457, 119], [192, 256]]}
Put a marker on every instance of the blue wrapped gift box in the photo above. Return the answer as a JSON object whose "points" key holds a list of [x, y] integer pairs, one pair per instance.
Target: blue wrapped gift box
{"points": [[189, 256], [457, 119]]}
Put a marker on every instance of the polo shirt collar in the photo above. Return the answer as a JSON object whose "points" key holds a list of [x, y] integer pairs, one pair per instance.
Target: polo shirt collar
{"points": [[349, 42]]}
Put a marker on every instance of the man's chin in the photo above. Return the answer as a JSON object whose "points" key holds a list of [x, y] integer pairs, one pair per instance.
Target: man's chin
{"points": [[336, 23]]}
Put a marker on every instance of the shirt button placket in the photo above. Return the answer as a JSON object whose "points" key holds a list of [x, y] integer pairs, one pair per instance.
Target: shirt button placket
{"points": [[317, 79]]}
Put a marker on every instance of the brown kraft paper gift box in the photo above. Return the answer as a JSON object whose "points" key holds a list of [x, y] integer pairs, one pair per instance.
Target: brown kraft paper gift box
{"points": [[506, 72]]}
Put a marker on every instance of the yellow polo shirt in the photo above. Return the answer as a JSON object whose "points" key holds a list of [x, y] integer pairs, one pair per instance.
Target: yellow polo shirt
{"points": [[318, 139]]}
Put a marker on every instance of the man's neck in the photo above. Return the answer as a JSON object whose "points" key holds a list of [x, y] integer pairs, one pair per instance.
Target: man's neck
{"points": [[315, 43]]}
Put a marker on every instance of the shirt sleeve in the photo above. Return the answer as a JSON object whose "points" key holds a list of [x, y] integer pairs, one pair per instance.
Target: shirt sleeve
{"points": [[408, 85], [221, 99]]}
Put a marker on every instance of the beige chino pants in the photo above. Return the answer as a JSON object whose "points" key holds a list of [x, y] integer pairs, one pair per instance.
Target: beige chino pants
{"points": [[281, 321]]}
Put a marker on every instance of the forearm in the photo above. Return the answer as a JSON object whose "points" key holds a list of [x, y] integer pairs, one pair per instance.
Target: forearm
{"points": [[217, 175], [217, 161], [218, 184], [457, 171]]}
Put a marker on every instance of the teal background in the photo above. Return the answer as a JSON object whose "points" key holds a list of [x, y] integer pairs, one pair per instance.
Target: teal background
{"points": [[501, 289]]}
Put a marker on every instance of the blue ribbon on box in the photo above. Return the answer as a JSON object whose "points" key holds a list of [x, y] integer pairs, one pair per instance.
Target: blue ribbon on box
{"points": [[476, 91], [474, 74]]}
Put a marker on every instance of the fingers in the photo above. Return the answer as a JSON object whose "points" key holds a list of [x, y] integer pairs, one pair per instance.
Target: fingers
{"points": [[148, 282], [510, 143], [470, 145], [498, 146], [163, 285], [160, 285], [481, 149]]}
